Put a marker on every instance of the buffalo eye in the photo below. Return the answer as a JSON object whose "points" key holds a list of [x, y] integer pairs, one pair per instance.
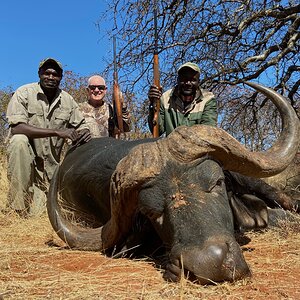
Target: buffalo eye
{"points": [[219, 184]]}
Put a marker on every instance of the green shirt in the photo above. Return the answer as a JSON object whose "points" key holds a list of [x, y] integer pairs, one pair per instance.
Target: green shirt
{"points": [[173, 113]]}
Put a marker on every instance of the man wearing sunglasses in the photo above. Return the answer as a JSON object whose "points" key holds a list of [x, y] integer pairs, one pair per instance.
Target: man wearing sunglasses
{"points": [[41, 118], [98, 113]]}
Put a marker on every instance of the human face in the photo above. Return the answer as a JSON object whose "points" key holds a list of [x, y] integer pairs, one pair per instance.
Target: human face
{"points": [[96, 91], [188, 82], [50, 78]]}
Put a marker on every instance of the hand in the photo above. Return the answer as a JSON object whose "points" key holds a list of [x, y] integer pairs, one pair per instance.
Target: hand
{"points": [[154, 93], [77, 137], [124, 107], [84, 136], [70, 133]]}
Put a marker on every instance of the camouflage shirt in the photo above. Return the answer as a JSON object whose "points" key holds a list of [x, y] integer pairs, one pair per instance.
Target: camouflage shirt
{"points": [[96, 118], [101, 119]]}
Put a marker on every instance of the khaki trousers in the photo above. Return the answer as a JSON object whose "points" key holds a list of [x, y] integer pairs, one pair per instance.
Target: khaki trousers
{"points": [[27, 184]]}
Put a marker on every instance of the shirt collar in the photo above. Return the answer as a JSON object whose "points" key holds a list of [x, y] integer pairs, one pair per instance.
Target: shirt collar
{"points": [[41, 95], [190, 106]]}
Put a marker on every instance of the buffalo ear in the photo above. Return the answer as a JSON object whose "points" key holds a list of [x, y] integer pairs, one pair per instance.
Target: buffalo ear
{"points": [[249, 212]]}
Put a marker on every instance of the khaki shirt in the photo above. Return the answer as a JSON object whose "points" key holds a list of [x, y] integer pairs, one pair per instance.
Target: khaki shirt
{"points": [[29, 105]]}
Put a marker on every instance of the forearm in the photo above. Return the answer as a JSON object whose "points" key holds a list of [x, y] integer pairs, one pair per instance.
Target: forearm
{"points": [[33, 132], [126, 117]]}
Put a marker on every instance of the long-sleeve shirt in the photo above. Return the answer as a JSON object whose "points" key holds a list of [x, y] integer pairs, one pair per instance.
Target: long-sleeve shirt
{"points": [[101, 120], [173, 112], [30, 105]]}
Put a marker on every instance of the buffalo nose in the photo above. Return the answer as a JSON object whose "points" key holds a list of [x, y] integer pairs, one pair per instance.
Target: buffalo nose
{"points": [[214, 262]]}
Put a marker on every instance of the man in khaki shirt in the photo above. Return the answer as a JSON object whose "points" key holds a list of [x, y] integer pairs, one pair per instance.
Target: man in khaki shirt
{"points": [[41, 117]]}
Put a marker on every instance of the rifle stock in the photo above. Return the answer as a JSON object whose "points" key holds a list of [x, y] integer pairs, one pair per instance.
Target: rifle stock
{"points": [[117, 95], [156, 76]]}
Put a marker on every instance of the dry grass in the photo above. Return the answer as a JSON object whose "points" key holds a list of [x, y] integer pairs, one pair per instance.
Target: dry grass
{"points": [[35, 264]]}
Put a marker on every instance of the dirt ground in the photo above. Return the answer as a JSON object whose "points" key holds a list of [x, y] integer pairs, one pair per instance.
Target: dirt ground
{"points": [[35, 264]]}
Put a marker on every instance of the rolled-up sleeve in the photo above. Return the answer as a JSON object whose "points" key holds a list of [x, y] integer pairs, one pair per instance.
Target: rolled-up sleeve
{"points": [[17, 111]]}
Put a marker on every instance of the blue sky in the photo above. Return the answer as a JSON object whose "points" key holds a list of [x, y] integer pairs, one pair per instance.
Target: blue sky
{"points": [[66, 30]]}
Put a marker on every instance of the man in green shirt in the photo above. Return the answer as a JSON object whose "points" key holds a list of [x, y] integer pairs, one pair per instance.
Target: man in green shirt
{"points": [[185, 104], [41, 118]]}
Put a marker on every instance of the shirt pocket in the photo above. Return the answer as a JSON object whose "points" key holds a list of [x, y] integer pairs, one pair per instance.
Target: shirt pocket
{"points": [[61, 118], [36, 116], [194, 118]]}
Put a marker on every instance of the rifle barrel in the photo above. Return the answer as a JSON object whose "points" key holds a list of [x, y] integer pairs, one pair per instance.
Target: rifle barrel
{"points": [[156, 79], [117, 96]]}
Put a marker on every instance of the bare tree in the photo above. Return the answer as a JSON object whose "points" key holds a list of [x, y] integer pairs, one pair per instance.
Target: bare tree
{"points": [[5, 96], [75, 85], [232, 41]]}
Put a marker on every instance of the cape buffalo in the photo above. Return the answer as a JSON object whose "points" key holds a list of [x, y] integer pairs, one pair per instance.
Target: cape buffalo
{"points": [[178, 184]]}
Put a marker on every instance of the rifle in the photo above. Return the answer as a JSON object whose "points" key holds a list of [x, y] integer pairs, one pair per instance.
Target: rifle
{"points": [[156, 80], [117, 95]]}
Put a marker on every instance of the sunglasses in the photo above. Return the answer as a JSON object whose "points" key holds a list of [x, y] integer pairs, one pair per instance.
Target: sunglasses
{"points": [[99, 87]]}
